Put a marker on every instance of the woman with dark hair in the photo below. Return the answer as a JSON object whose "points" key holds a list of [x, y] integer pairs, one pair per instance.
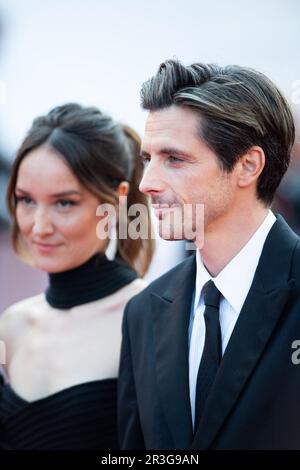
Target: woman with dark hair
{"points": [[62, 346]]}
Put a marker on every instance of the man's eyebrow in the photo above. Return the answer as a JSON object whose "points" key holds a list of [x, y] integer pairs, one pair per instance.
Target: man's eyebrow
{"points": [[174, 151], [168, 151], [70, 192]]}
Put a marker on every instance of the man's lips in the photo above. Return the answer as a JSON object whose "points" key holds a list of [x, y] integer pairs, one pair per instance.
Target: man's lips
{"points": [[164, 206], [161, 210]]}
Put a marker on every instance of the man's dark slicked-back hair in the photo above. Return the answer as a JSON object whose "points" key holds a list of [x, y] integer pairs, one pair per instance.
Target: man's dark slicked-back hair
{"points": [[238, 108]]}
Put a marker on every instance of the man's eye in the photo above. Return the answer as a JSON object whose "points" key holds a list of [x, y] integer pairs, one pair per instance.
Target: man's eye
{"points": [[65, 203], [145, 159], [173, 159]]}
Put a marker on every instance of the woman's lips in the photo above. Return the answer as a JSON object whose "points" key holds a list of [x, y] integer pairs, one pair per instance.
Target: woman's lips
{"points": [[46, 247]]}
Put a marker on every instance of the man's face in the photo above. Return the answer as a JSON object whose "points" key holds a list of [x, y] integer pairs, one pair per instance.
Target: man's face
{"points": [[180, 170]]}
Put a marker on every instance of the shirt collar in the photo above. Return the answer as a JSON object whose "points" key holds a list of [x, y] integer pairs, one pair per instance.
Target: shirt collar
{"points": [[239, 271]]}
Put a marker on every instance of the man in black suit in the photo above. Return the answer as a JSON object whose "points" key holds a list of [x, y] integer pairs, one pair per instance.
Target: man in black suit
{"points": [[209, 353]]}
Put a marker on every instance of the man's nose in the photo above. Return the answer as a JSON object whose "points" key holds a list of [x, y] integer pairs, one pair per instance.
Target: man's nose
{"points": [[42, 223], [152, 181]]}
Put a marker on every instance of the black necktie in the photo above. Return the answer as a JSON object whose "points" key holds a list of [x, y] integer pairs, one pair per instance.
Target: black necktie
{"points": [[212, 352]]}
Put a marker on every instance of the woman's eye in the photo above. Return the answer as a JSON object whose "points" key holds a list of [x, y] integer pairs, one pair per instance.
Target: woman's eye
{"points": [[65, 203], [25, 200]]}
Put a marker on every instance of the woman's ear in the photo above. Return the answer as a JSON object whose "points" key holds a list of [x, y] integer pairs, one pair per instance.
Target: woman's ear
{"points": [[123, 188], [251, 164]]}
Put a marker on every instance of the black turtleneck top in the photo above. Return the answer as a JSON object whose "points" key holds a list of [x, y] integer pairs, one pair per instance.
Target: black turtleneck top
{"points": [[93, 280], [83, 416]]}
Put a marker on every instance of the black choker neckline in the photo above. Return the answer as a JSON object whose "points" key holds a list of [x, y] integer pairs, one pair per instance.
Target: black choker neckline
{"points": [[93, 280]]}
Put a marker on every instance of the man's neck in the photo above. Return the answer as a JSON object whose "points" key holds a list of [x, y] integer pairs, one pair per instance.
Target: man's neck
{"points": [[225, 238]]}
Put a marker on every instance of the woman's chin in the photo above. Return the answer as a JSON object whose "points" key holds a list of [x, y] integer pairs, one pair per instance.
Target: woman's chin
{"points": [[50, 266]]}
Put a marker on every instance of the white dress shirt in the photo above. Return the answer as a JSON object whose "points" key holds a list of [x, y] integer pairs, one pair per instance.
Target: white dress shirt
{"points": [[234, 283]]}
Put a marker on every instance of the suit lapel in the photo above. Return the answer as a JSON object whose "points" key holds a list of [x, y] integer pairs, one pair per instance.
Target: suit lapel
{"points": [[171, 314], [257, 320]]}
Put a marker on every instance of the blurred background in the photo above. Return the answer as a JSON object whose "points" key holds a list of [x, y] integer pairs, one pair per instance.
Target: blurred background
{"points": [[100, 52]]}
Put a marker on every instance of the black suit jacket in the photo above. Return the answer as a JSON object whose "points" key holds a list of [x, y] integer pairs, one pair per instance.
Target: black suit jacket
{"points": [[254, 402]]}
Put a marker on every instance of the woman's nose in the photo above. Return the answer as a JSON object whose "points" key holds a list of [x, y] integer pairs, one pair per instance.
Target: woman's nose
{"points": [[42, 224]]}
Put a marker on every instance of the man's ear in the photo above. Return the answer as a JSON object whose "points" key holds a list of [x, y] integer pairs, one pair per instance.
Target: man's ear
{"points": [[251, 164]]}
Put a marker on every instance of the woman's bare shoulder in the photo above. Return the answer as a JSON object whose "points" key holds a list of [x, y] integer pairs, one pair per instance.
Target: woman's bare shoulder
{"points": [[18, 314]]}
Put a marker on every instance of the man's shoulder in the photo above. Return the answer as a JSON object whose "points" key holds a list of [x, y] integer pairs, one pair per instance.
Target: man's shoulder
{"points": [[159, 286], [296, 260], [285, 238]]}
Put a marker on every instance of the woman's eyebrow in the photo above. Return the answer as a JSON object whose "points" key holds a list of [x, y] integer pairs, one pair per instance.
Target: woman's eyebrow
{"points": [[69, 192]]}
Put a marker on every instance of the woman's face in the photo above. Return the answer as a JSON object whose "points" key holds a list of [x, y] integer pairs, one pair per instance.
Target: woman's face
{"points": [[56, 215]]}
